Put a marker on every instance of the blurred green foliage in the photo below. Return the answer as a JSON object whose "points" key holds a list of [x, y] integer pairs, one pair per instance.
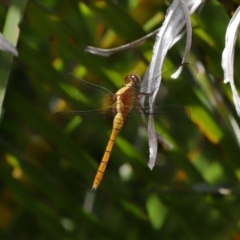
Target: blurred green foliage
{"points": [[46, 170]]}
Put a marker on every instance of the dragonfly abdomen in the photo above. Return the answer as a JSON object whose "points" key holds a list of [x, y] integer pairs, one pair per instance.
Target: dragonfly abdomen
{"points": [[118, 123]]}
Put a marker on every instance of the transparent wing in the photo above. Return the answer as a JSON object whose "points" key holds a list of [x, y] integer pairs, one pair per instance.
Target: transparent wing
{"points": [[172, 119], [84, 95], [86, 128], [171, 112], [169, 87], [169, 119], [87, 115]]}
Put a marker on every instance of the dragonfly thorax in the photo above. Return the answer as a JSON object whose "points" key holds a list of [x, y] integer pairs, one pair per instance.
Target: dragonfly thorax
{"points": [[133, 80]]}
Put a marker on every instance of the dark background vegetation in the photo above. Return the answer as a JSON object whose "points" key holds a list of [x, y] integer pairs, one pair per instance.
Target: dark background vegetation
{"points": [[47, 170]]}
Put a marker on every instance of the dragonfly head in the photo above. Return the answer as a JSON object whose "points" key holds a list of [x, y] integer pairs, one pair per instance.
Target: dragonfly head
{"points": [[133, 80]]}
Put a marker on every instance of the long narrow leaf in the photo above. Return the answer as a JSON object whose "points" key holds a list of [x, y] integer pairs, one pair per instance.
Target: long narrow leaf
{"points": [[11, 33]]}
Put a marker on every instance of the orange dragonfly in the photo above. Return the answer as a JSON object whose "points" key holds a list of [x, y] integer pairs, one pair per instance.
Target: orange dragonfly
{"points": [[119, 106], [122, 103]]}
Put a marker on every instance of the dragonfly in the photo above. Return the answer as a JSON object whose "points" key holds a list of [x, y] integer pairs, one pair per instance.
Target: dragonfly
{"points": [[123, 102], [119, 106]]}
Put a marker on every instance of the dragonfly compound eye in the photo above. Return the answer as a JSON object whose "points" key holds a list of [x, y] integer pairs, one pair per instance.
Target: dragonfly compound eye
{"points": [[133, 78]]}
